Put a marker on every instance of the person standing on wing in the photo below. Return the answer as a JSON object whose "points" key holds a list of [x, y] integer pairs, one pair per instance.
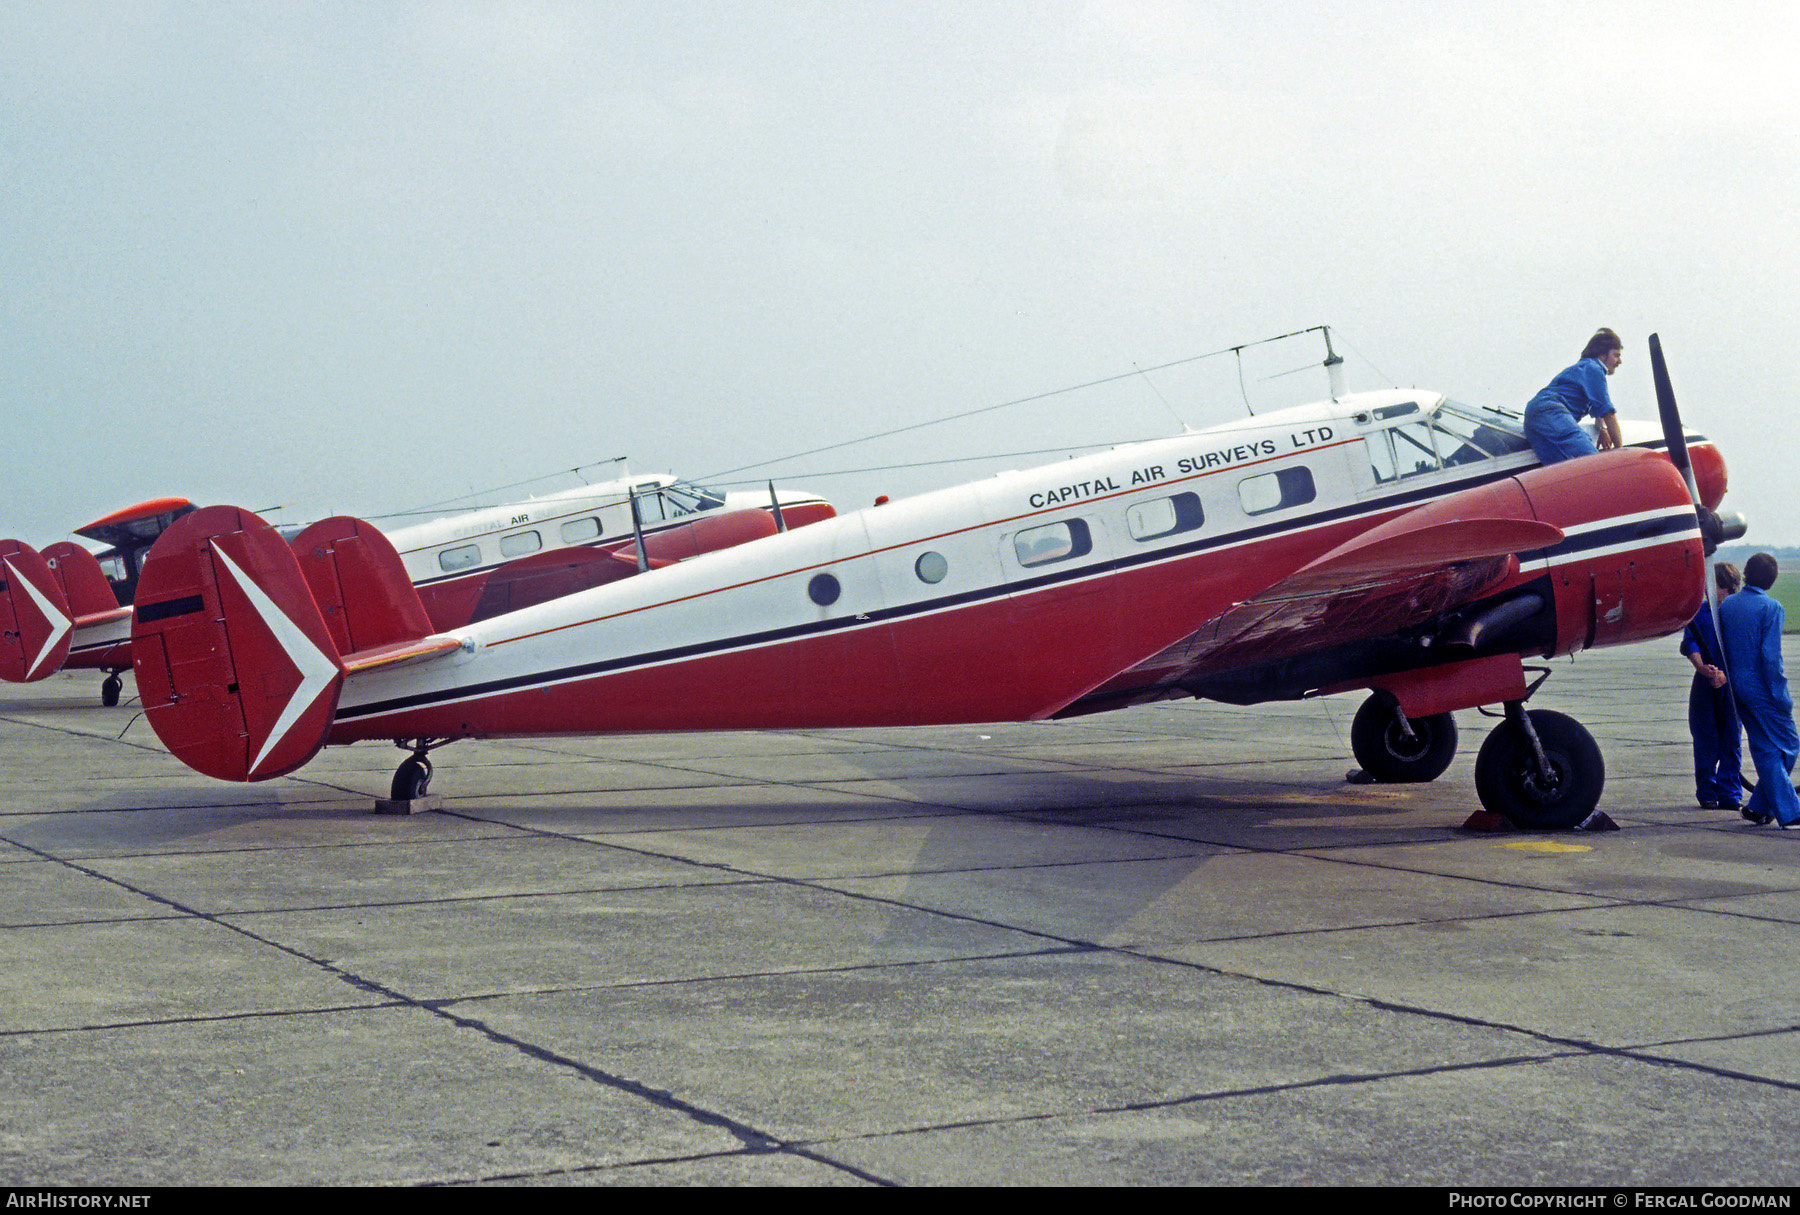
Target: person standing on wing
{"points": [[1552, 419]]}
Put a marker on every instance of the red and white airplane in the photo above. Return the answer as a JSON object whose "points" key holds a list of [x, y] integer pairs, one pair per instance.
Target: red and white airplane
{"points": [[75, 611], [1392, 542], [466, 566]]}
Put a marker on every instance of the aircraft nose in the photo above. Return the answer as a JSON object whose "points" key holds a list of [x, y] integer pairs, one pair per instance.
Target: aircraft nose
{"points": [[1709, 472]]}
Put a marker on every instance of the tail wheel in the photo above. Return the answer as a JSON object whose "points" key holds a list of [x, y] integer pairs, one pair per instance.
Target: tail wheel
{"points": [[1510, 782], [1387, 754], [109, 690], [411, 779]]}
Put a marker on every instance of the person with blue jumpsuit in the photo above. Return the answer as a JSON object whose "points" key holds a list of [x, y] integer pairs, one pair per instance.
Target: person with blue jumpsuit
{"points": [[1712, 717], [1552, 419], [1750, 630]]}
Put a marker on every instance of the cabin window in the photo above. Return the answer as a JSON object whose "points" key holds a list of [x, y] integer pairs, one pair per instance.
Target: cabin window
{"points": [[823, 590], [1276, 490], [1164, 517], [460, 558], [576, 531], [520, 543], [931, 567], [1054, 542]]}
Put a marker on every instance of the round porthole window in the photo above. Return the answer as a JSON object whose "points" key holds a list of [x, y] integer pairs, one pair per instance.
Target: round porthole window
{"points": [[823, 590], [931, 567]]}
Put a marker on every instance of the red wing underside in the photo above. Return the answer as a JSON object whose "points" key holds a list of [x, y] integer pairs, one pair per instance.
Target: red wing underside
{"points": [[1394, 576]]}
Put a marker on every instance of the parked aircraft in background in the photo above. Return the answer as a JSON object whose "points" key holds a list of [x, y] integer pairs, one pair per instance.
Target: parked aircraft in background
{"points": [[1393, 542], [467, 566]]}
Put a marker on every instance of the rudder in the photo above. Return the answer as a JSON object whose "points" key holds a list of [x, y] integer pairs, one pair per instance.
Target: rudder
{"points": [[35, 625], [238, 673]]}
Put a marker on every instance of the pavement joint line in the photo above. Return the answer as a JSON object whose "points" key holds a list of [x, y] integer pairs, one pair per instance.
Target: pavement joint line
{"points": [[757, 1141], [801, 972], [816, 886], [1579, 1045], [112, 738], [250, 1015], [787, 1148], [832, 821], [451, 900], [296, 846], [97, 921], [1134, 1107], [666, 1100]]}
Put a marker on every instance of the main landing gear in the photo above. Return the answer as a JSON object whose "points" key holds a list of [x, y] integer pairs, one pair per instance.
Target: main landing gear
{"points": [[1398, 750], [1539, 769]]}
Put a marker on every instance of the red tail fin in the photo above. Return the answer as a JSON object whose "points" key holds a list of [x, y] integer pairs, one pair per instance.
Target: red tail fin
{"points": [[360, 585], [34, 615], [238, 673], [84, 584]]}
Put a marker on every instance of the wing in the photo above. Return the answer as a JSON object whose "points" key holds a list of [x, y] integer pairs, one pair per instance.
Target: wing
{"points": [[1414, 568]]}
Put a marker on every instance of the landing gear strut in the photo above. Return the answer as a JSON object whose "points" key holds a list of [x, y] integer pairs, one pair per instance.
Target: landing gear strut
{"points": [[1396, 749], [413, 777], [1540, 769]]}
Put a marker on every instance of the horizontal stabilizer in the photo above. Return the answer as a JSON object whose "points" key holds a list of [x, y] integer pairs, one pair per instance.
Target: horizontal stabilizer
{"points": [[399, 654], [35, 625], [238, 673]]}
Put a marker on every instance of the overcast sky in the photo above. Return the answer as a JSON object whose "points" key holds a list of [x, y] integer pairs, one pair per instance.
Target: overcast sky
{"points": [[360, 257]]}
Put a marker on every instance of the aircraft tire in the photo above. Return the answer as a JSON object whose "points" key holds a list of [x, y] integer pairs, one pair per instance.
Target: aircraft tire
{"points": [[1508, 782], [109, 690], [1394, 759], [411, 779]]}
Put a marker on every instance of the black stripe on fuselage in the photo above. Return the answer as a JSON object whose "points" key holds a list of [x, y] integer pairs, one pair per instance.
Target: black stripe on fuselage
{"points": [[1674, 523]]}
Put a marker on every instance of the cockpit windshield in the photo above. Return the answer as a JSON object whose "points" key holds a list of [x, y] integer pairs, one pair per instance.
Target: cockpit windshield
{"points": [[1475, 434], [686, 498]]}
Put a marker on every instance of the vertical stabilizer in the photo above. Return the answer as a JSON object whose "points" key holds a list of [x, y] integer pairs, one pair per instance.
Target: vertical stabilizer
{"points": [[35, 625], [238, 673]]}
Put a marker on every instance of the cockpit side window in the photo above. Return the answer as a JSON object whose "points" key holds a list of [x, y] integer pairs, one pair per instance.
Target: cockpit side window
{"points": [[1380, 447], [1413, 450]]}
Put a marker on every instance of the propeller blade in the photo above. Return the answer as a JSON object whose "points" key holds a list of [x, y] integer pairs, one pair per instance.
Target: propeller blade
{"points": [[1673, 431], [1676, 436]]}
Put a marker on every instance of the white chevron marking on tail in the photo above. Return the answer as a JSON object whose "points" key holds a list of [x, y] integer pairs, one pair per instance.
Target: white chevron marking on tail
{"points": [[59, 623], [316, 669]]}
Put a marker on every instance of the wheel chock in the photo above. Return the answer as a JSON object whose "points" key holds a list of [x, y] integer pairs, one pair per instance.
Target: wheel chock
{"points": [[1487, 820], [408, 805]]}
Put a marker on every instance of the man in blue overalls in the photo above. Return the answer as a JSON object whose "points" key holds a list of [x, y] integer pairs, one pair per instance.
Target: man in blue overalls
{"points": [[1712, 718], [1750, 627]]}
